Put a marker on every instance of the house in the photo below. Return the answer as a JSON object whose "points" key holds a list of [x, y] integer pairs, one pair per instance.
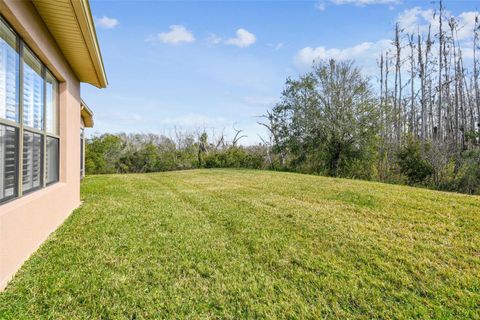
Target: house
{"points": [[47, 48]]}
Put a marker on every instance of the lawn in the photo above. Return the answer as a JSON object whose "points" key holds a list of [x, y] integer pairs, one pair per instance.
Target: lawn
{"points": [[254, 244]]}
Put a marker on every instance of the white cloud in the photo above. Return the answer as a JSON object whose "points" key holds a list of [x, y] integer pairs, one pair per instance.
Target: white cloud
{"points": [[416, 20], [365, 54], [243, 39], [412, 20], [466, 24], [320, 5], [308, 55], [362, 3], [467, 51], [176, 35], [107, 23]]}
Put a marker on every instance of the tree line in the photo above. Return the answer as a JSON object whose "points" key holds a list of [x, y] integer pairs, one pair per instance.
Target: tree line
{"points": [[140, 153], [418, 123]]}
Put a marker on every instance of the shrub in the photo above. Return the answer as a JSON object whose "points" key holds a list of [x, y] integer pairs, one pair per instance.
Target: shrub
{"points": [[467, 179], [412, 163], [103, 153]]}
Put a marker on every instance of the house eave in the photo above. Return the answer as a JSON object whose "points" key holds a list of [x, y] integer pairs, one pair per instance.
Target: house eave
{"points": [[87, 115], [71, 24]]}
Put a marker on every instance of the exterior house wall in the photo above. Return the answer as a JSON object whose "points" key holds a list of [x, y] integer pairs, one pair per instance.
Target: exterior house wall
{"points": [[27, 221]]}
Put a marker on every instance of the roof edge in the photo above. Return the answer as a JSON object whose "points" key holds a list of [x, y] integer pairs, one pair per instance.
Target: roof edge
{"points": [[87, 26], [86, 114]]}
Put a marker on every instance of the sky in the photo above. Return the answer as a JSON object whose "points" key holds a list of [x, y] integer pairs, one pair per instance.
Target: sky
{"points": [[219, 65]]}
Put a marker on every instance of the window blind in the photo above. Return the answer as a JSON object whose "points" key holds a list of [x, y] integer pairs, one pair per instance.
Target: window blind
{"points": [[9, 60], [8, 160], [32, 160], [27, 84], [32, 91], [82, 151], [52, 160], [51, 92]]}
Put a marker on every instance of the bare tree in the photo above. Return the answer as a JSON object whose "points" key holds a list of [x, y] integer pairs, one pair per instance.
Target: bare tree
{"points": [[238, 136], [476, 71], [413, 112], [397, 98], [423, 102]]}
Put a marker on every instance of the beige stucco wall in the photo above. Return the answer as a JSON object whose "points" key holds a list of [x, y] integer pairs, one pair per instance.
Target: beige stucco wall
{"points": [[26, 222]]}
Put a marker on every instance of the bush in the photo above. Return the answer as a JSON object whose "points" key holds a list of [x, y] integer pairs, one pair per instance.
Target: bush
{"points": [[232, 157], [103, 153], [135, 153], [412, 163], [467, 179], [416, 164]]}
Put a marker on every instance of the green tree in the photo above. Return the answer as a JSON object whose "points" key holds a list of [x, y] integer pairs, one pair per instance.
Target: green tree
{"points": [[202, 148], [412, 163], [327, 121], [103, 153]]}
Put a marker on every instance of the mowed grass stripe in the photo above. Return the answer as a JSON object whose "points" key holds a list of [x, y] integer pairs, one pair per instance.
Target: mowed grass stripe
{"points": [[253, 244], [265, 249], [389, 249]]}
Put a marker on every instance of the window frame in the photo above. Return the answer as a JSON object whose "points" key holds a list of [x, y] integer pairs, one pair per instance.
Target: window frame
{"points": [[21, 128]]}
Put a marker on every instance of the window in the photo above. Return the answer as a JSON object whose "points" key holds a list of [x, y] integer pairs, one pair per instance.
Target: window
{"points": [[9, 71], [29, 126], [51, 106], [32, 161], [32, 91], [52, 160], [52, 129], [82, 151], [8, 162]]}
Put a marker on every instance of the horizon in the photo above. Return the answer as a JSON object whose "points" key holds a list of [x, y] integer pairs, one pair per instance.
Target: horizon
{"points": [[213, 66]]}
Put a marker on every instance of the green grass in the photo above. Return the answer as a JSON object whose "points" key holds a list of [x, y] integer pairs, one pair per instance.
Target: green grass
{"points": [[254, 244]]}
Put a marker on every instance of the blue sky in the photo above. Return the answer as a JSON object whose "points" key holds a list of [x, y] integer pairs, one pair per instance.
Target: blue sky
{"points": [[211, 65]]}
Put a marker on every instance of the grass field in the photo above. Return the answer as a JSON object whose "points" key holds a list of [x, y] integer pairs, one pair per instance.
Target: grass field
{"points": [[254, 244]]}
